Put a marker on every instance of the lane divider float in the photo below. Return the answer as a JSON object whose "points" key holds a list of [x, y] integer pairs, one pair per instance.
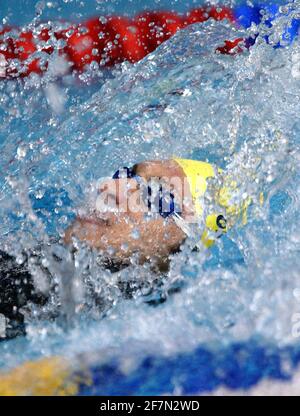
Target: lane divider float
{"points": [[114, 39]]}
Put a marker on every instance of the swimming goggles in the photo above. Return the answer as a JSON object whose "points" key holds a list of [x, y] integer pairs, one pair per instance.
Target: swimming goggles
{"points": [[159, 200]]}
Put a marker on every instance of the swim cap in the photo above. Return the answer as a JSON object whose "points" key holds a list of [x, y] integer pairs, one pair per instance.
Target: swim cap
{"points": [[216, 224], [197, 174]]}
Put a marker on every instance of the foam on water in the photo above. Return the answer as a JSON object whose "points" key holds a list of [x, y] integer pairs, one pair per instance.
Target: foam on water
{"points": [[240, 112]]}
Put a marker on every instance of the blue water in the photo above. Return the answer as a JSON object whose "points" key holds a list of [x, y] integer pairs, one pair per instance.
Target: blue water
{"points": [[16, 12], [239, 112]]}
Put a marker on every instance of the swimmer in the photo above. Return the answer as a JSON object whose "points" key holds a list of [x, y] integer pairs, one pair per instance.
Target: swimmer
{"points": [[155, 205], [142, 214]]}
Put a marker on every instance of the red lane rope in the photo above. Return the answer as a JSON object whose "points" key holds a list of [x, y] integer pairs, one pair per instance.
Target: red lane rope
{"points": [[106, 41]]}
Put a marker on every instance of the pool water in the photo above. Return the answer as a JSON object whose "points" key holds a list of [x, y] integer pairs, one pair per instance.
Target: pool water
{"points": [[224, 317]]}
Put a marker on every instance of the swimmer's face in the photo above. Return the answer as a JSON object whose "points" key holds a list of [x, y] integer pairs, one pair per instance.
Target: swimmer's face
{"points": [[128, 235]]}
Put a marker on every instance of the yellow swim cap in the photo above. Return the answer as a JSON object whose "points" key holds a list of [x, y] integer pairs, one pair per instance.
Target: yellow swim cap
{"points": [[197, 174]]}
